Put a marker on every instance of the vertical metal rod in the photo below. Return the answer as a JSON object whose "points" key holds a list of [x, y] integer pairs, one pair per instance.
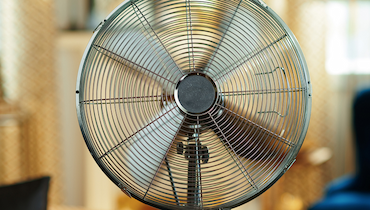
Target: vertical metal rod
{"points": [[172, 182], [191, 177], [192, 152], [199, 173], [164, 157]]}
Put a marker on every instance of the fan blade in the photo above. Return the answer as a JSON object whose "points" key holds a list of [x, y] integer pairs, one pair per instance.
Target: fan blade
{"points": [[149, 147], [203, 22], [249, 139], [243, 39], [142, 53]]}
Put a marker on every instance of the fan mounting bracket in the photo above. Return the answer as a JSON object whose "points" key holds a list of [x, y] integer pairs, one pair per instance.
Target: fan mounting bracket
{"points": [[124, 190]]}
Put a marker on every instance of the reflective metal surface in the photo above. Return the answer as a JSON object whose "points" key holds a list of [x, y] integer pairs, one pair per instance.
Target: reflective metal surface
{"points": [[172, 158]]}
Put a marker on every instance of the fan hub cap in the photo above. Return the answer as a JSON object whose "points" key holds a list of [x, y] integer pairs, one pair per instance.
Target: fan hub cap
{"points": [[195, 93]]}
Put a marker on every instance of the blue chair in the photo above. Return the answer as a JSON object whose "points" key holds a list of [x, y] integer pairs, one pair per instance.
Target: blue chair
{"points": [[353, 192]]}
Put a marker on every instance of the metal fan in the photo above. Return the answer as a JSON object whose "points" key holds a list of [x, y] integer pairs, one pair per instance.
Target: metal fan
{"points": [[193, 104]]}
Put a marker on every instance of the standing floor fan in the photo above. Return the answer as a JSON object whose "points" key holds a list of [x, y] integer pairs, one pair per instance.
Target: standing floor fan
{"points": [[193, 104]]}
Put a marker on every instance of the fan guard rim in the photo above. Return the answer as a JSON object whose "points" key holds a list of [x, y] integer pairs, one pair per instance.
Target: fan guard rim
{"points": [[235, 202]]}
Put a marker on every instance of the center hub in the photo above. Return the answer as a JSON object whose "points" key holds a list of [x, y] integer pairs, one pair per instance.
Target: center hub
{"points": [[195, 93]]}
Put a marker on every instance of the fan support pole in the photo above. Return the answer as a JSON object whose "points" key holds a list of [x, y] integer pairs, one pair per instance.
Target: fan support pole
{"points": [[195, 153], [192, 154]]}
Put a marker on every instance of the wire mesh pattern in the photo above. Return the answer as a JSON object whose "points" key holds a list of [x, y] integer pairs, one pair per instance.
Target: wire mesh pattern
{"points": [[144, 105]]}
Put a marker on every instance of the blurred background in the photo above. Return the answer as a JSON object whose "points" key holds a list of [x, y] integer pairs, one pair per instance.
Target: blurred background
{"points": [[41, 45]]}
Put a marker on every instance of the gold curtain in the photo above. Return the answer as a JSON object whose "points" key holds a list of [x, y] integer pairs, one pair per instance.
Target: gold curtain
{"points": [[29, 132]]}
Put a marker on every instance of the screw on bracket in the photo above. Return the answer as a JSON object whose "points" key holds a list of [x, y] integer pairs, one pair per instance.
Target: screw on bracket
{"points": [[99, 26], [180, 148], [124, 190], [288, 166], [263, 3]]}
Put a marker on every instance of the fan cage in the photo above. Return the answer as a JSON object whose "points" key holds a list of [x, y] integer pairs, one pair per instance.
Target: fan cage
{"points": [[130, 69]]}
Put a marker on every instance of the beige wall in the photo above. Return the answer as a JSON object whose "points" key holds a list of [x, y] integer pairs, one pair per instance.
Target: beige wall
{"points": [[85, 184]]}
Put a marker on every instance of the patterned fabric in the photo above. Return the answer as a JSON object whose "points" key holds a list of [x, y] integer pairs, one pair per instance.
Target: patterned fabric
{"points": [[29, 137]]}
